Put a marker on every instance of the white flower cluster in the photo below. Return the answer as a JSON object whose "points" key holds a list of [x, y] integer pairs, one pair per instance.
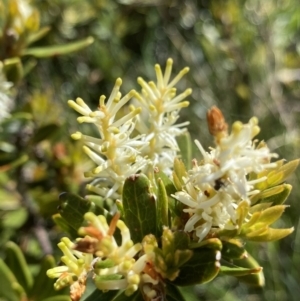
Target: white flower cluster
{"points": [[217, 184], [160, 112], [117, 152], [6, 99]]}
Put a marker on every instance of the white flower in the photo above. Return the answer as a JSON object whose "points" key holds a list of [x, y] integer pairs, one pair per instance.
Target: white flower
{"points": [[216, 185], [6, 99], [160, 112], [115, 152]]}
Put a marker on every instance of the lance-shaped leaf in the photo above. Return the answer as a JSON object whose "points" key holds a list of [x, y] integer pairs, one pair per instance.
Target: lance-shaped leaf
{"points": [[162, 206], [139, 207], [179, 173], [268, 234], [17, 264], [173, 253], [278, 175], [202, 267], [283, 191], [256, 279], [7, 283], [49, 51], [257, 229], [73, 208], [239, 271], [185, 145], [43, 286], [35, 36], [137, 296]]}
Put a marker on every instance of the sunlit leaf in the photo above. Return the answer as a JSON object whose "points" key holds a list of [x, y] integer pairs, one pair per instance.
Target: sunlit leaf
{"points": [[139, 207]]}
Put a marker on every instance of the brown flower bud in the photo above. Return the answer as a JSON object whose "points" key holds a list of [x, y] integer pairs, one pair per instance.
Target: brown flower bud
{"points": [[216, 122]]}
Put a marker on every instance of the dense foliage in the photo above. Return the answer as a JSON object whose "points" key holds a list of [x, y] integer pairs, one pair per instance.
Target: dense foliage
{"points": [[243, 57]]}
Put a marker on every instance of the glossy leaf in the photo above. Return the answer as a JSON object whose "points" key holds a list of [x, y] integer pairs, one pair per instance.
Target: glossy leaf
{"points": [[233, 249], [139, 207], [73, 208], [202, 267]]}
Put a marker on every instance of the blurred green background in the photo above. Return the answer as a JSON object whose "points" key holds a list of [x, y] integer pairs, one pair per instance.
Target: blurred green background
{"points": [[244, 57]]}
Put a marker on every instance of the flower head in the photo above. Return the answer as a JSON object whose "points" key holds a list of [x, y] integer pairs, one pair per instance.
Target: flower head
{"points": [[216, 185], [115, 152], [75, 271], [161, 108]]}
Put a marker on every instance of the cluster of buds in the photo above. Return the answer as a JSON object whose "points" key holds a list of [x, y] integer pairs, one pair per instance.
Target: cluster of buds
{"points": [[113, 266]]}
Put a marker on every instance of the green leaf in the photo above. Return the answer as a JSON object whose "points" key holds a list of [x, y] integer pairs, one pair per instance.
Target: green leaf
{"points": [[58, 298], [49, 51], [7, 282], [258, 279], [202, 267], [173, 293], [137, 296], [269, 192], [73, 208], [269, 234], [45, 132], [233, 249], [276, 195], [185, 145], [282, 173], [179, 173], [211, 243], [64, 225], [13, 69], [238, 271], [139, 207], [35, 36], [170, 188], [18, 265], [162, 206], [98, 295], [43, 286]]}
